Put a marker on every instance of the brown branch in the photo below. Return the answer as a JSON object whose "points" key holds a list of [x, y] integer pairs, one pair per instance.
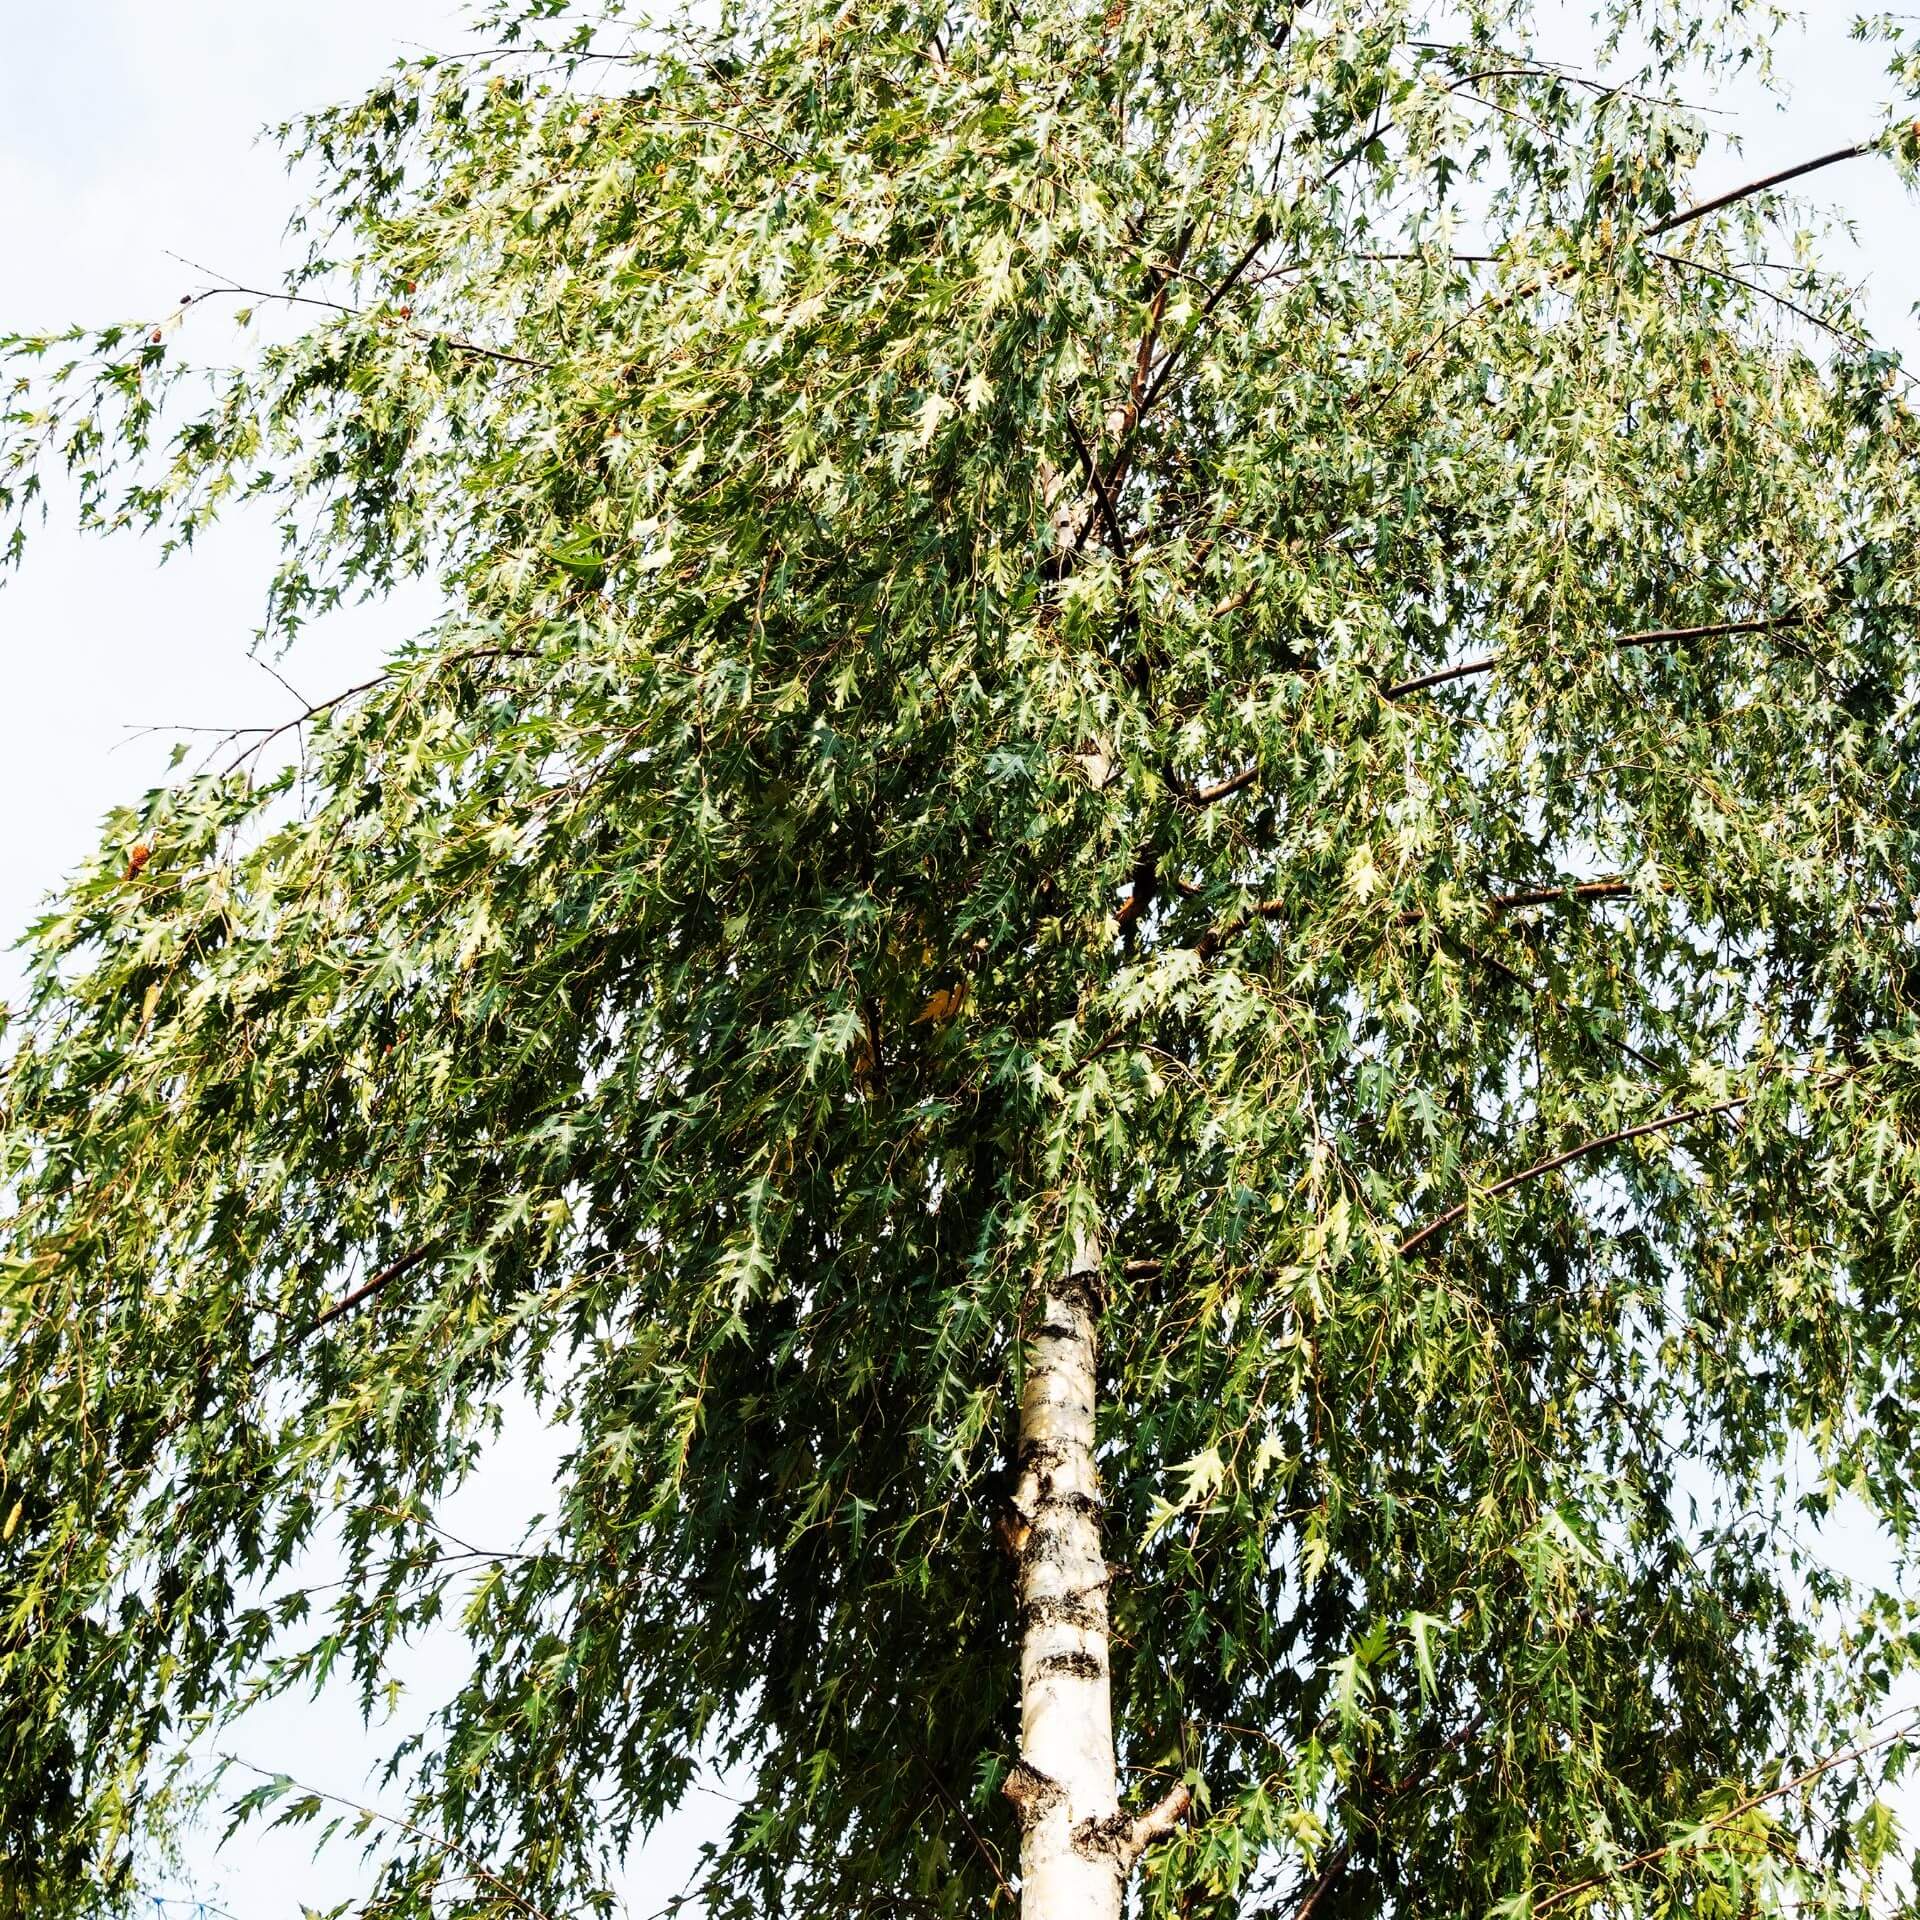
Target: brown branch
{"points": [[1644, 637], [1156, 1823], [1537, 282], [366, 1290], [1143, 360], [1215, 938], [1100, 493], [1535, 991], [1806, 315], [1165, 273], [1402, 688], [268, 735], [263, 737], [1687, 217], [1671, 636], [1324, 1881], [1223, 789], [1399, 690], [1546, 896], [452, 342], [1211, 941], [1687, 1115], [1146, 885], [1138, 401], [1172, 357]]}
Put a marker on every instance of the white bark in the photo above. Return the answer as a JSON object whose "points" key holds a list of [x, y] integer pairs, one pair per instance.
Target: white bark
{"points": [[1076, 1848]]}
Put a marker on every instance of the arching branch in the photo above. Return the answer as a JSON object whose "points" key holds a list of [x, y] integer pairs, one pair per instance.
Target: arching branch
{"points": [[1540, 1168]]}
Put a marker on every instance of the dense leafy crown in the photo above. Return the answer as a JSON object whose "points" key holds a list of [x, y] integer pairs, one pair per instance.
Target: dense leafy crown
{"points": [[1240, 625]]}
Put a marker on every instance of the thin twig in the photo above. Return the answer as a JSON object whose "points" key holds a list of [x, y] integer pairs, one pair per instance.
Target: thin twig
{"points": [[1844, 335], [1537, 282], [1646, 637], [1467, 669], [425, 335], [269, 735], [986, 1852], [1559, 1896], [475, 1865]]}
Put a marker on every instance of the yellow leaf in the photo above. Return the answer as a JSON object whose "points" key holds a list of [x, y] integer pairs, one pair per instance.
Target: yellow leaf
{"points": [[13, 1520], [943, 1004]]}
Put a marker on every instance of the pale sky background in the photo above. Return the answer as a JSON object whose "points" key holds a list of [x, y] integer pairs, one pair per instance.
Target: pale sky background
{"points": [[127, 132]]}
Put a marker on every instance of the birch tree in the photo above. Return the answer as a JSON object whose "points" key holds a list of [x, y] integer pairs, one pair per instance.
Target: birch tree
{"points": [[1144, 927]]}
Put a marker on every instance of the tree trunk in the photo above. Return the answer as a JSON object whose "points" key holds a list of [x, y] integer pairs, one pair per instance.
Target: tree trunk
{"points": [[1072, 1846], [1077, 1847]]}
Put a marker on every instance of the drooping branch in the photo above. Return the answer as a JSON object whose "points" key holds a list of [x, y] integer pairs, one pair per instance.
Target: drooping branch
{"points": [[1804, 314], [1109, 515], [260, 738], [1534, 991], [1614, 888], [1141, 403], [987, 1855], [1538, 282], [475, 1863], [454, 343], [1335, 1865]]}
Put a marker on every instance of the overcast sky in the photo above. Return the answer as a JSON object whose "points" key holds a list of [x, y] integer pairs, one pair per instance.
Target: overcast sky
{"points": [[127, 135]]}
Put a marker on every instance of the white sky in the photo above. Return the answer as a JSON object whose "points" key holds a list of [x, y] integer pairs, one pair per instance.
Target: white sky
{"points": [[126, 134]]}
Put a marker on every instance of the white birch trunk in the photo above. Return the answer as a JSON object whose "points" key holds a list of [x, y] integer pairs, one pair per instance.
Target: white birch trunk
{"points": [[1077, 1848], [1066, 1786]]}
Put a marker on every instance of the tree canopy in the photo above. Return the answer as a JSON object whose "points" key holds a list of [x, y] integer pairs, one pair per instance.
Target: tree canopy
{"points": [[1237, 655]]}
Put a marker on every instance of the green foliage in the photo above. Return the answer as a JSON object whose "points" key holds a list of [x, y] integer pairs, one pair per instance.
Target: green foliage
{"points": [[937, 510]]}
